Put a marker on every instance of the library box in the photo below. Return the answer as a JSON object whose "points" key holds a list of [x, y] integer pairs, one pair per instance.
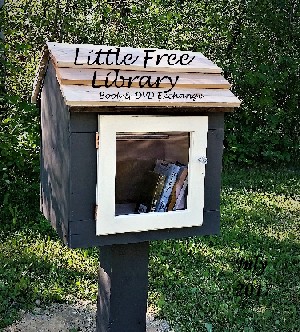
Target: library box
{"points": [[131, 143]]}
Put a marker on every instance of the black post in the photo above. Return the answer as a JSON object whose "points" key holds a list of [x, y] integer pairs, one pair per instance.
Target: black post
{"points": [[123, 288]]}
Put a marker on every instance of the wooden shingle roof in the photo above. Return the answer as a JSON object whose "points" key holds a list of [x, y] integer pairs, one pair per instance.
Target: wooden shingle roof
{"points": [[100, 75]]}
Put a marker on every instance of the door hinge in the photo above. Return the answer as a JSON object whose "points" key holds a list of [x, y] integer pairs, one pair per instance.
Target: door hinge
{"points": [[97, 140], [96, 210]]}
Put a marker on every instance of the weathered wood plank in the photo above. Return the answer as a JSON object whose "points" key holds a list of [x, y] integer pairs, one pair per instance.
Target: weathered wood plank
{"points": [[65, 55], [55, 161], [76, 76], [40, 74], [77, 95]]}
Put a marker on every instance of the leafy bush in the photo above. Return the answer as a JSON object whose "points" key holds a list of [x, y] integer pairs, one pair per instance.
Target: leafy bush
{"points": [[254, 43], [19, 163]]}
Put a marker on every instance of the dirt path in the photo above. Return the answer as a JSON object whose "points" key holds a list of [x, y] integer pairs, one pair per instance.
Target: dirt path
{"points": [[70, 318]]}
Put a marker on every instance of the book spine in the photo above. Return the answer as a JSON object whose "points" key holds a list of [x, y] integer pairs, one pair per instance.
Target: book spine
{"points": [[158, 190], [172, 200], [167, 190], [180, 201], [182, 174]]}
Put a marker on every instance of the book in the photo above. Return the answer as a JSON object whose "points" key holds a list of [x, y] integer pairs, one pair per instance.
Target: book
{"points": [[158, 190], [164, 188], [170, 171], [181, 199], [148, 190], [182, 174], [172, 200]]}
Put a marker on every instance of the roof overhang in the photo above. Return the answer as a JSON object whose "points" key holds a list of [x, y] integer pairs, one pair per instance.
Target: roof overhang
{"points": [[109, 76]]}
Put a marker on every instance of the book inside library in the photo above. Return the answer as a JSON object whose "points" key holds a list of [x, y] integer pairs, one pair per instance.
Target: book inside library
{"points": [[151, 172]]}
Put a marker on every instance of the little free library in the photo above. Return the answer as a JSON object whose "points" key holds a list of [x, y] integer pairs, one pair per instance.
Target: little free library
{"points": [[131, 151]]}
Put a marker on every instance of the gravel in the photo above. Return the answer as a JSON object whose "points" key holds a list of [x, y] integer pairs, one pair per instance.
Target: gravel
{"points": [[75, 317]]}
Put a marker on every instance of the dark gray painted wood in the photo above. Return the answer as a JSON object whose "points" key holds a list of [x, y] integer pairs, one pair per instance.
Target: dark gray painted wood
{"points": [[83, 187], [69, 171], [215, 120], [85, 122], [170, 110], [84, 176], [55, 162], [123, 288], [213, 170], [83, 233]]}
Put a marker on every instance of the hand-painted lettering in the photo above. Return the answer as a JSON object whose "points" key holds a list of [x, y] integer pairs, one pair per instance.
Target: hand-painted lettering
{"points": [[113, 78]]}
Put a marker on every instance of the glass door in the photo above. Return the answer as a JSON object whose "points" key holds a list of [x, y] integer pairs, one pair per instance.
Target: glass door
{"points": [[150, 172]]}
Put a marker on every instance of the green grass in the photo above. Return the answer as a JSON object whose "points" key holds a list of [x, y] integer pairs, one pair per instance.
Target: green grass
{"points": [[202, 280], [197, 284], [35, 266]]}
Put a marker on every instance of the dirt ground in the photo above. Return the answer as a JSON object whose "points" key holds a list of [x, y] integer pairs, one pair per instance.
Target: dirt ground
{"points": [[70, 318]]}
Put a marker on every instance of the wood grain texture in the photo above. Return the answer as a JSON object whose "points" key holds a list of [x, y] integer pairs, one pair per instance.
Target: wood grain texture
{"points": [[40, 75], [149, 110], [101, 76], [68, 170], [55, 159], [77, 95], [76, 76], [87, 122], [64, 56]]}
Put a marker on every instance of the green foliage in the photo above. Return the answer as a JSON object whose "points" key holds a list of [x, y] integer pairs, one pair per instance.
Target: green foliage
{"points": [[262, 61], [19, 162], [254, 42], [193, 281]]}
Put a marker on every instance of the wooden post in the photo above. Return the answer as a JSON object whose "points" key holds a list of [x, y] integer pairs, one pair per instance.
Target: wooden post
{"points": [[123, 288]]}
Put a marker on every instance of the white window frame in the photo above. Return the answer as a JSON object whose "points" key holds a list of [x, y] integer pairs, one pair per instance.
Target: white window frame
{"points": [[108, 125]]}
